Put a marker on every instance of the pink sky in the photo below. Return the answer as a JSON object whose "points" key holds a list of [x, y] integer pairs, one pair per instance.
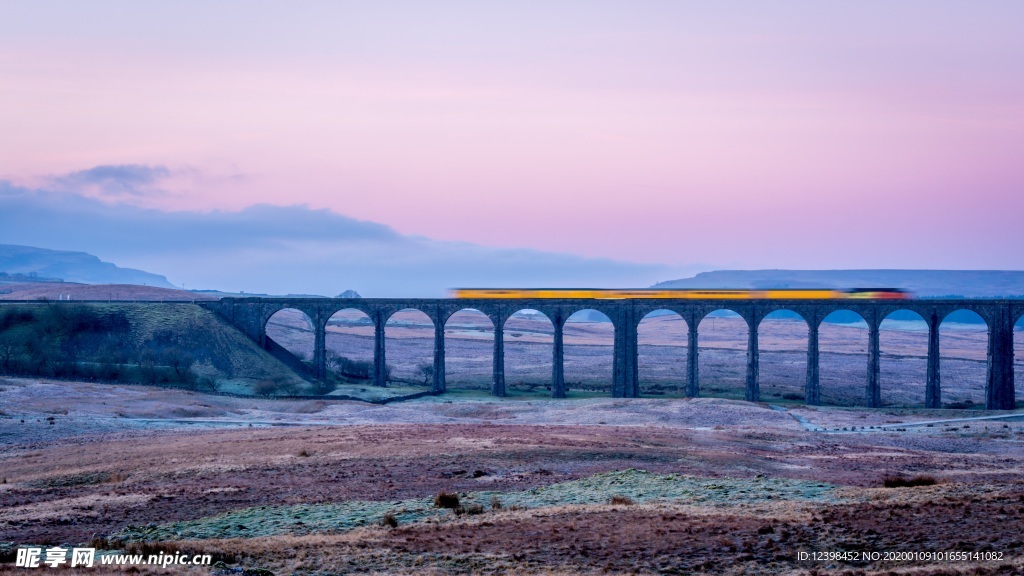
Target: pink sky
{"points": [[768, 135]]}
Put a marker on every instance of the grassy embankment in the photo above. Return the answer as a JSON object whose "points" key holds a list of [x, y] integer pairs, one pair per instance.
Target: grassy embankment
{"points": [[160, 344]]}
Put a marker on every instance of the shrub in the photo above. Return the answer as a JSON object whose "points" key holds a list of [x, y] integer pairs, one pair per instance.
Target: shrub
{"points": [[427, 372], [901, 482], [792, 396], [352, 369], [446, 500], [495, 503], [389, 520], [621, 500], [264, 387]]}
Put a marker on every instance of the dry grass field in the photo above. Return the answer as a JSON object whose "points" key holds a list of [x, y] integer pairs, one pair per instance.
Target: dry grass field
{"points": [[588, 486]]}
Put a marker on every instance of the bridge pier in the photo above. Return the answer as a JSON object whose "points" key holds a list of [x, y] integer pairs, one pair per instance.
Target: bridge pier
{"points": [[753, 388], [812, 387], [999, 390], [932, 387], [618, 360], [692, 367], [439, 386], [558, 357], [320, 349], [874, 389], [498, 382], [624, 356], [632, 349], [380, 376]]}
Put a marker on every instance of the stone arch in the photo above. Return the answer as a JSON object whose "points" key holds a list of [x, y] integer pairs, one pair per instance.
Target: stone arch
{"points": [[349, 342], [589, 344], [469, 349], [963, 358], [903, 356], [662, 346], [409, 347], [843, 357], [782, 343], [292, 331], [722, 335], [528, 336], [334, 306]]}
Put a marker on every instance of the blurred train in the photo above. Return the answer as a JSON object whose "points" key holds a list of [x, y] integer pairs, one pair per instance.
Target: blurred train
{"points": [[694, 294]]}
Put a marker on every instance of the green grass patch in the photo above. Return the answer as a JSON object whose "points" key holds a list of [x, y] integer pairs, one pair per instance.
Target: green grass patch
{"points": [[637, 485], [372, 393]]}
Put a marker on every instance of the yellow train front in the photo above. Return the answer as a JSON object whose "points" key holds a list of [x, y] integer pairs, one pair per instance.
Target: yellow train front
{"points": [[685, 294]]}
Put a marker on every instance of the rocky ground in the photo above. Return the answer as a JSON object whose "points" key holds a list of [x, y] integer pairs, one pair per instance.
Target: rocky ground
{"points": [[558, 487]]}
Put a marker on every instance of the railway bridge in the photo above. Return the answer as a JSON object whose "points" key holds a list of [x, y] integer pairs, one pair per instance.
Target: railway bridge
{"points": [[251, 315]]}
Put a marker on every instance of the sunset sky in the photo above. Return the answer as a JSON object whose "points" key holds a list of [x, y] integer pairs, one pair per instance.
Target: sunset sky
{"points": [[662, 135]]}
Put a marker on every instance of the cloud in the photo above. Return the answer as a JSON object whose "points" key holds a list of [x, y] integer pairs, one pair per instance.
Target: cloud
{"points": [[151, 186], [279, 249], [126, 177], [114, 182]]}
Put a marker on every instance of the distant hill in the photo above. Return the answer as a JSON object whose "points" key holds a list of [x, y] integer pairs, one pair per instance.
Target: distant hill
{"points": [[111, 292], [923, 283], [72, 267]]}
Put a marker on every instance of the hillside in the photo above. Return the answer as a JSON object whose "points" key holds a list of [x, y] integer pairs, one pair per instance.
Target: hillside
{"points": [[167, 344], [923, 283], [108, 292], [72, 267]]}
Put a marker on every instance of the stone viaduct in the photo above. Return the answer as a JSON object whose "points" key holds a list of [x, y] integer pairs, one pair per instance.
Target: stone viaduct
{"points": [[250, 315]]}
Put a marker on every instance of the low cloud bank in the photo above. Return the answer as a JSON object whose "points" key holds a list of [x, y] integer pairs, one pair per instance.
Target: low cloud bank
{"points": [[281, 249]]}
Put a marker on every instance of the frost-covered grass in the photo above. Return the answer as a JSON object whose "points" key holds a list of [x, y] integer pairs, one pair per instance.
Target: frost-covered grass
{"points": [[638, 485]]}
